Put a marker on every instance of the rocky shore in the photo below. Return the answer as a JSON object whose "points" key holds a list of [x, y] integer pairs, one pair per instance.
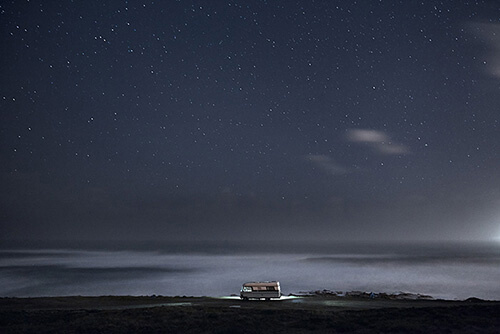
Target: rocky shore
{"points": [[368, 295]]}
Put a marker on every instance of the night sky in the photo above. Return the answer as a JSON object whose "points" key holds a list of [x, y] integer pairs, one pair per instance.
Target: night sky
{"points": [[250, 120]]}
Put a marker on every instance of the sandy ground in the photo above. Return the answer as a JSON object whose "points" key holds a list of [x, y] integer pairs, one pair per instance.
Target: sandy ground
{"points": [[153, 314]]}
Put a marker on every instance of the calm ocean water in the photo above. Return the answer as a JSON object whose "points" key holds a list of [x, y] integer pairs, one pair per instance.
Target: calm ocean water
{"points": [[451, 271]]}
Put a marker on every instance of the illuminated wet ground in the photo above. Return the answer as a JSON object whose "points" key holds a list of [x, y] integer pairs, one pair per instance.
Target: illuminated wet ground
{"points": [[282, 298]]}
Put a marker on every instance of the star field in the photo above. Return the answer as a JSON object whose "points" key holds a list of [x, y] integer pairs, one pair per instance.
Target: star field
{"points": [[193, 119]]}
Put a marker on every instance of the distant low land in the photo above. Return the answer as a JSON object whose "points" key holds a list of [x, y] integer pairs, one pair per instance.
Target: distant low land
{"points": [[316, 312]]}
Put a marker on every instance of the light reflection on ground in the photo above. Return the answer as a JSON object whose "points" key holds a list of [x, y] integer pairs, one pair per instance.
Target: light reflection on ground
{"points": [[272, 299]]}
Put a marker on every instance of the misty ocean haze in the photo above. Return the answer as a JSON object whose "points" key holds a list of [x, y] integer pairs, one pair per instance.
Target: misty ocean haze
{"points": [[450, 271]]}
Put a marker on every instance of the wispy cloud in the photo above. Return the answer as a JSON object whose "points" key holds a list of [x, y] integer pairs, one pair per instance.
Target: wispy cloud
{"points": [[366, 136], [380, 141], [489, 33], [327, 164]]}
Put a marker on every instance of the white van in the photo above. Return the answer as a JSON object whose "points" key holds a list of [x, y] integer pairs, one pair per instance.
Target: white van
{"points": [[260, 290]]}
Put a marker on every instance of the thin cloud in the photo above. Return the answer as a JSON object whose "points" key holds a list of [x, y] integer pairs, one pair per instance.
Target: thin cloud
{"points": [[327, 164], [366, 136], [378, 140], [489, 33], [392, 148]]}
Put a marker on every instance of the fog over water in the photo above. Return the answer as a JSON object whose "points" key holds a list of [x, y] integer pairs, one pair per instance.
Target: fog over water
{"points": [[451, 271]]}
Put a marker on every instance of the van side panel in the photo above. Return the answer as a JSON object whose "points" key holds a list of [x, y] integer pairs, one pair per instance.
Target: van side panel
{"points": [[260, 290]]}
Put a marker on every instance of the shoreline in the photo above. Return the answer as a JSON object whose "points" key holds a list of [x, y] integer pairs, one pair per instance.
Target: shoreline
{"points": [[325, 293], [298, 301]]}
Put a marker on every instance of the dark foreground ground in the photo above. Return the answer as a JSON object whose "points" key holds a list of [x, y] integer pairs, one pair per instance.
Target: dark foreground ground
{"points": [[320, 314]]}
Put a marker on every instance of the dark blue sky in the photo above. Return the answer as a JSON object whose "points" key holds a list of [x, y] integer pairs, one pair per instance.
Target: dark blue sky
{"points": [[250, 119]]}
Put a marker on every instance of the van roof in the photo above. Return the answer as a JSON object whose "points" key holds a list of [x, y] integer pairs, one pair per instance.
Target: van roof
{"points": [[273, 283]]}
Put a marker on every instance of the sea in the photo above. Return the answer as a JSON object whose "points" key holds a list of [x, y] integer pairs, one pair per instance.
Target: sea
{"points": [[454, 271]]}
